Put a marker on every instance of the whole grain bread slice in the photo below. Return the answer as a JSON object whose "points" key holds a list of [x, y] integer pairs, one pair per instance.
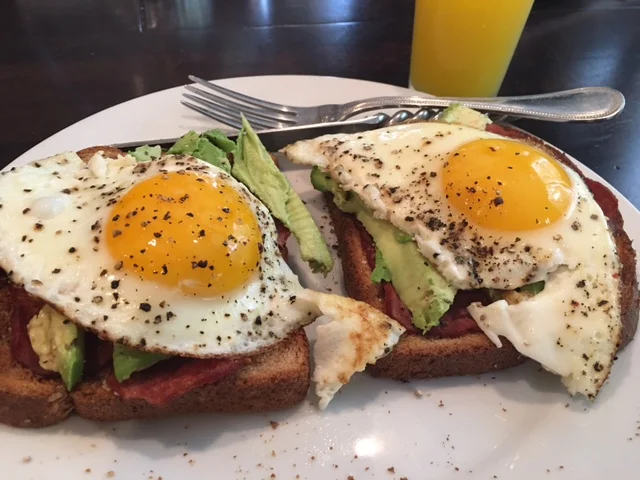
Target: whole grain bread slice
{"points": [[275, 379], [26, 400], [414, 356], [423, 357]]}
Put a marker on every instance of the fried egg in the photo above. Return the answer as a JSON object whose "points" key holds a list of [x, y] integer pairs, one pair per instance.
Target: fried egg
{"points": [[491, 212], [173, 255], [353, 336]]}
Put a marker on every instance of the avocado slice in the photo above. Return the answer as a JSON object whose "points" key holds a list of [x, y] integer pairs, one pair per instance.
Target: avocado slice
{"points": [[146, 153], [201, 147], [70, 346], [254, 167], [348, 202], [186, 144], [220, 140], [425, 292], [127, 360], [59, 345], [466, 116]]}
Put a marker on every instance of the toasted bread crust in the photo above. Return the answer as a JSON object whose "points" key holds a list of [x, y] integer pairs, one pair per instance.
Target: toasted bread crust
{"points": [[25, 399], [414, 356], [276, 379], [108, 152]]}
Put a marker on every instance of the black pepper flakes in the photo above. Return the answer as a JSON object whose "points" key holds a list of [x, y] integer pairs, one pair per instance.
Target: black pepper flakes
{"points": [[115, 284], [145, 307]]}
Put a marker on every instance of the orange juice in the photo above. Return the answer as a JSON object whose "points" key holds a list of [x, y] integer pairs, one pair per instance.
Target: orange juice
{"points": [[463, 47]]}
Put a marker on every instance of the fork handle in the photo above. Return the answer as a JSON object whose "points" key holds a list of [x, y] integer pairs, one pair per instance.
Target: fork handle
{"points": [[586, 104]]}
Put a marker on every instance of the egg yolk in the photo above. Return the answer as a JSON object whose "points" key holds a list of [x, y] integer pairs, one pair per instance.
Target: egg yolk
{"points": [[192, 233], [507, 185]]}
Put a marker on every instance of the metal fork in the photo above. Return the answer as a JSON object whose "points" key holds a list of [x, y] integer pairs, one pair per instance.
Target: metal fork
{"points": [[586, 104]]}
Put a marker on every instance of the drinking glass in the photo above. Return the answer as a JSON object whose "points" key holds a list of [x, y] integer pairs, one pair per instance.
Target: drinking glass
{"points": [[463, 48]]}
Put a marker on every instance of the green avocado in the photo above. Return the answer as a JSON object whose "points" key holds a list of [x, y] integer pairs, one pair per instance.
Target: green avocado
{"points": [[427, 295], [254, 167], [146, 153], [186, 144], [59, 345], [220, 140], [203, 148], [127, 361], [423, 290], [348, 202], [381, 271], [466, 116]]}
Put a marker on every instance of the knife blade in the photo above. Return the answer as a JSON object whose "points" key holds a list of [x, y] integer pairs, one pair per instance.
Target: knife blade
{"points": [[274, 140]]}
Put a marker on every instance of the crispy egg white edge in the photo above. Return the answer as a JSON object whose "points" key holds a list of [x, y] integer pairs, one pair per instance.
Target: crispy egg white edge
{"points": [[355, 335]]}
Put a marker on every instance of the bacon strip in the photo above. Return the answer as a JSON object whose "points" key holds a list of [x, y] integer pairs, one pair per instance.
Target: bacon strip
{"points": [[368, 246], [396, 309], [167, 381], [98, 354], [457, 321], [25, 307], [283, 236]]}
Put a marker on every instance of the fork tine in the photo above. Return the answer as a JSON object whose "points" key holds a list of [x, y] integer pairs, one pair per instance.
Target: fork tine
{"points": [[232, 114], [217, 101], [244, 98], [216, 116]]}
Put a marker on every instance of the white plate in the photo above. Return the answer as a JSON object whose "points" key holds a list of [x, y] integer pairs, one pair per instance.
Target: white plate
{"points": [[514, 424]]}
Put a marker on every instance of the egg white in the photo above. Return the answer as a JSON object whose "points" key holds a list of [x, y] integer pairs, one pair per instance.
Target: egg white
{"points": [[396, 172], [52, 214]]}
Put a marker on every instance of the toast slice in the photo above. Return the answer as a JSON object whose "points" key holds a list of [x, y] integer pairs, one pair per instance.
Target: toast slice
{"points": [[276, 378], [414, 356], [423, 357]]}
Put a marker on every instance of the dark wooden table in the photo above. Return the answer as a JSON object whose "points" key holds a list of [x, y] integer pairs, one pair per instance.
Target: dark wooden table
{"points": [[63, 60]]}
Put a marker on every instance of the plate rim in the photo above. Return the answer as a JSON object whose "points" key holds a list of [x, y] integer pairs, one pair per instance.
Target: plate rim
{"points": [[627, 208]]}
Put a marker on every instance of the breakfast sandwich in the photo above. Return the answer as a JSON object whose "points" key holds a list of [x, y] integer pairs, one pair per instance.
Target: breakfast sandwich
{"points": [[485, 244], [153, 283]]}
